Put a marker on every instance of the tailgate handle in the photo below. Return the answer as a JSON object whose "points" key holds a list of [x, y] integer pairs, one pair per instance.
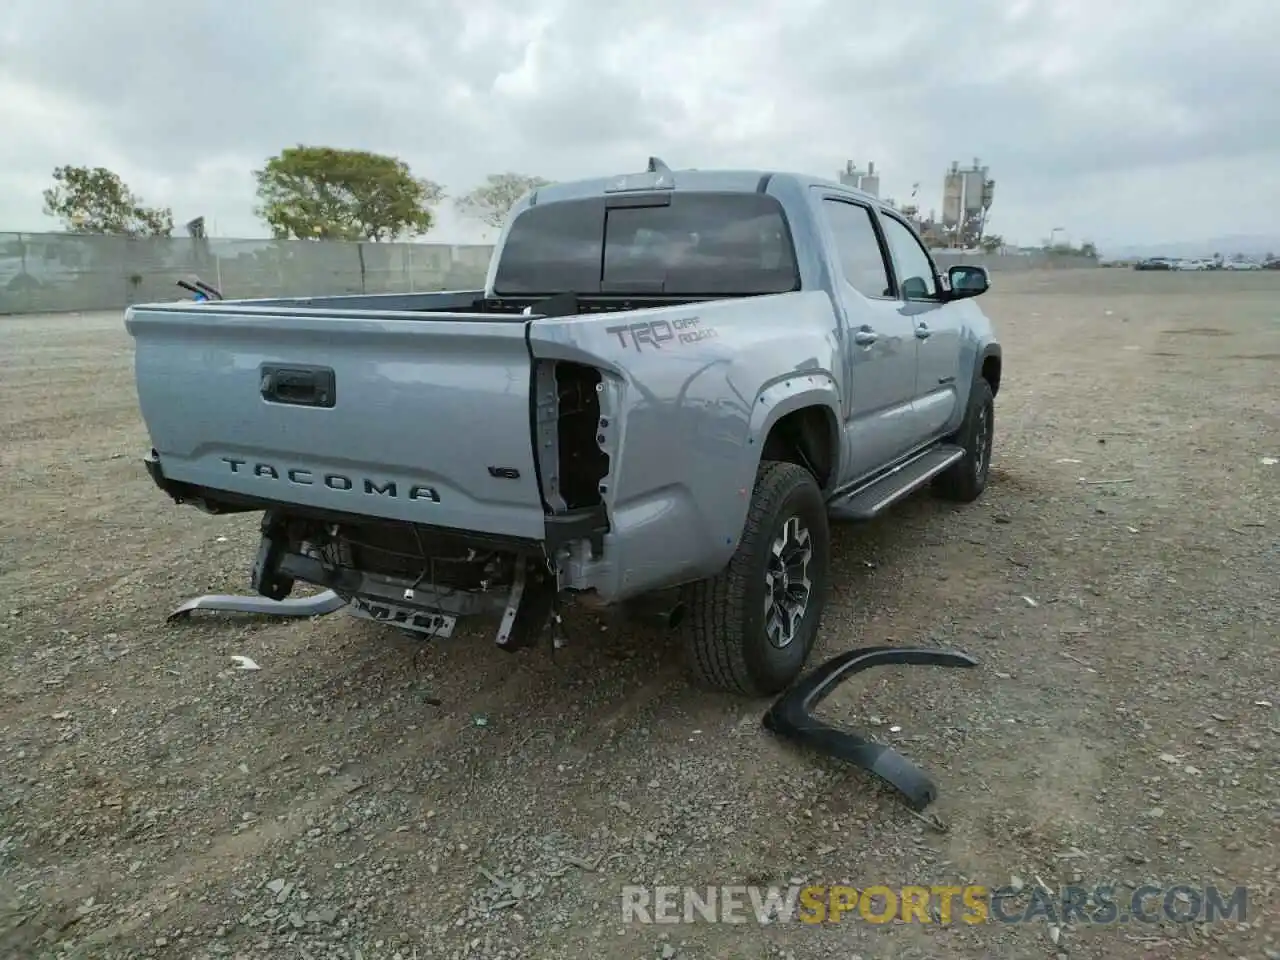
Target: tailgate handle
{"points": [[298, 385]]}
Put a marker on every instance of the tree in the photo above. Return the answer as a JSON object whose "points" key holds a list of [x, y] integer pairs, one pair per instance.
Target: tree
{"points": [[322, 193], [992, 243], [492, 200], [1087, 249], [95, 200]]}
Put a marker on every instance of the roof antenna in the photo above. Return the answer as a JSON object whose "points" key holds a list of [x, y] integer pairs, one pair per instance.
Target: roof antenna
{"points": [[657, 166]]}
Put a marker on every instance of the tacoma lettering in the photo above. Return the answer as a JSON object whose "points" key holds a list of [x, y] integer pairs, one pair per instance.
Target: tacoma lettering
{"points": [[333, 481]]}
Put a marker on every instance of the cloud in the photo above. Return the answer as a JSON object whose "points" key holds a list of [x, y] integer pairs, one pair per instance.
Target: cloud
{"points": [[1115, 120]]}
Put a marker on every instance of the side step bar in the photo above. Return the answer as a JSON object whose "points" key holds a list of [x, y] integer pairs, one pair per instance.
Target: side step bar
{"points": [[872, 499]]}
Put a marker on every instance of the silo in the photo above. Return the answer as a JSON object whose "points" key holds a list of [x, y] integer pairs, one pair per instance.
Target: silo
{"points": [[851, 176], [868, 182], [952, 196], [975, 179]]}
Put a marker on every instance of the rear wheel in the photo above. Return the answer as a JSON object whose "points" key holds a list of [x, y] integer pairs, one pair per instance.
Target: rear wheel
{"points": [[965, 480], [751, 629]]}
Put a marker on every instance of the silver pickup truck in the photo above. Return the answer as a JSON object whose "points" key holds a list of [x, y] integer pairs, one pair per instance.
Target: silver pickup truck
{"points": [[670, 386]]}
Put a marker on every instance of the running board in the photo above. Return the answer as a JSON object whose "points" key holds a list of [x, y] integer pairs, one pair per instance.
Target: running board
{"points": [[873, 499]]}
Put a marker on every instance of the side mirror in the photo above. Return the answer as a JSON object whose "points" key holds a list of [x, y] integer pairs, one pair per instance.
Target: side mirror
{"points": [[914, 288], [968, 282]]}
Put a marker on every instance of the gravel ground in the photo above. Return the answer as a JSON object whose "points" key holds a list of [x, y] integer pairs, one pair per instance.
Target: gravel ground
{"points": [[362, 795]]}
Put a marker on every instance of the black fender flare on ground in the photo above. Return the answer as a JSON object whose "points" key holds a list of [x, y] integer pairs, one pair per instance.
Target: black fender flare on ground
{"points": [[791, 716]]}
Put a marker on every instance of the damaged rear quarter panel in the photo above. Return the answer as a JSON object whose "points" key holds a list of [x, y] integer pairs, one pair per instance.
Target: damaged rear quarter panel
{"points": [[690, 393]]}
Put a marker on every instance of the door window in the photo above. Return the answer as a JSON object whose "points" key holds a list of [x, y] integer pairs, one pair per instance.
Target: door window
{"points": [[858, 246], [915, 271]]}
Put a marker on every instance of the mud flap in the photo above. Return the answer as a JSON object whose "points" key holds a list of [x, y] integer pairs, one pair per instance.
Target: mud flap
{"points": [[791, 716]]}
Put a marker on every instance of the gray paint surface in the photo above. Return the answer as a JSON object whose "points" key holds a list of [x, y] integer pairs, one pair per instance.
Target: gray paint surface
{"points": [[54, 272], [431, 401]]}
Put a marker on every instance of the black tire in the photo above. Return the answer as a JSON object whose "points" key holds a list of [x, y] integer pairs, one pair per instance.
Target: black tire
{"points": [[726, 629], [964, 480]]}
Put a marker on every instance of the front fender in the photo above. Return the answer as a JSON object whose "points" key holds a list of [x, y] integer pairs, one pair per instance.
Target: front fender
{"points": [[988, 350], [975, 353]]}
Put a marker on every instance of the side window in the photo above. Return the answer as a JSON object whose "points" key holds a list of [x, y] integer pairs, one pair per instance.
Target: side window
{"points": [[858, 247], [915, 271]]}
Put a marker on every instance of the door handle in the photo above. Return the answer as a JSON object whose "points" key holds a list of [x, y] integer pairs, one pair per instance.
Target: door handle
{"points": [[297, 385], [865, 337], [923, 332]]}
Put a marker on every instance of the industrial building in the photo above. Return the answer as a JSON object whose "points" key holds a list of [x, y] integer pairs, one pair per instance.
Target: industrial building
{"points": [[967, 194], [966, 200]]}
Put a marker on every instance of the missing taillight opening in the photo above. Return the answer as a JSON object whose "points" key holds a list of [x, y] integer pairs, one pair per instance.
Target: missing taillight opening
{"points": [[583, 465]]}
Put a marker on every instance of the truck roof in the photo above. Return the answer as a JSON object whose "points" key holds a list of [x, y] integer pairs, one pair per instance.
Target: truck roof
{"points": [[745, 181]]}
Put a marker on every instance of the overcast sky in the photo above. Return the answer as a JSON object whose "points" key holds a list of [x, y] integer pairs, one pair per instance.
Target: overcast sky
{"points": [[1120, 121]]}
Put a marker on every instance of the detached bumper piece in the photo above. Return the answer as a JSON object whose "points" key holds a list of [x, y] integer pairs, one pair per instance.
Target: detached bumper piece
{"points": [[791, 716], [314, 606]]}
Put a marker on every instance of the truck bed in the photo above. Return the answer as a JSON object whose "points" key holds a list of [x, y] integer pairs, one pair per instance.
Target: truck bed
{"points": [[425, 411]]}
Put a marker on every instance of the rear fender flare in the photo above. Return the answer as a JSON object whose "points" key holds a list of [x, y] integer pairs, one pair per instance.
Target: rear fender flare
{"points": [[772, 404], [787, 396]]}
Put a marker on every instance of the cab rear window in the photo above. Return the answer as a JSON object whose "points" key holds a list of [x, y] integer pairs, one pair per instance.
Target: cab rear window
{"points": [[694, 244]]}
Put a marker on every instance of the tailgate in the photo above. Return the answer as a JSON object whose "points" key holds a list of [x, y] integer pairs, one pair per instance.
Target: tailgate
{"points": [[425, 420]]}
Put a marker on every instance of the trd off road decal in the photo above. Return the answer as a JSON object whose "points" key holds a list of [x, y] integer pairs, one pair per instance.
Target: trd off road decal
{"points": [[656, 333]]}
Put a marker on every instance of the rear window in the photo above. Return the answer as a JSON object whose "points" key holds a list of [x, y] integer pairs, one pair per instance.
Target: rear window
{"points": [[700, 244]]}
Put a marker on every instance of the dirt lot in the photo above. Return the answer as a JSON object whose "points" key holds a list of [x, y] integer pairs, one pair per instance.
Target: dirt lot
{"points": [[1122, 727]]}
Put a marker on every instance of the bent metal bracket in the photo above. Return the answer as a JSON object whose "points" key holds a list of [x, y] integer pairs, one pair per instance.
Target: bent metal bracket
{"points": [[791, 716]]}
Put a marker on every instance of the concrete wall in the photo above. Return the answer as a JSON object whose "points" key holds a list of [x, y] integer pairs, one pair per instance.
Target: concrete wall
{"points": [[53, 272]]}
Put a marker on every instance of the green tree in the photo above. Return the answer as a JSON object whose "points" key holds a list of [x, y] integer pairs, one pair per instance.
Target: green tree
{"points": [[96, 200], [323, 193], [992, 242], [492, 200]]}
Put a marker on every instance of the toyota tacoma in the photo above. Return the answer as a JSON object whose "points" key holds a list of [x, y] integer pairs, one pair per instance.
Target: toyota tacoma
{"points": [[672, 385]]}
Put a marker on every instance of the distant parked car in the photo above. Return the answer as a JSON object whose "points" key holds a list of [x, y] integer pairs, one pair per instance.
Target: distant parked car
{"points": [[1154, 263], [1241, 265]]}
